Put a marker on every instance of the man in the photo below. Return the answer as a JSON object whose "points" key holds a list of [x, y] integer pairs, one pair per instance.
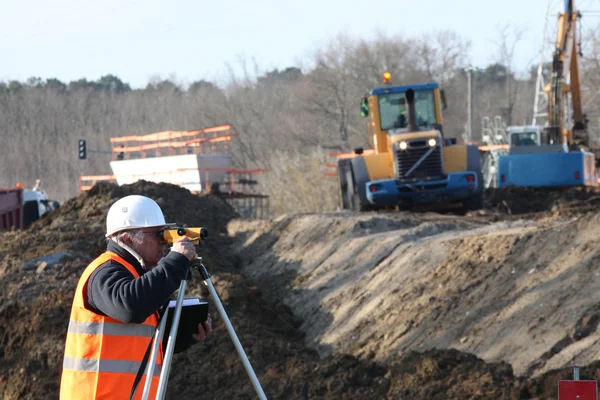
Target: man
{"points": [[121, 154], [116, 305], [402, 119]]}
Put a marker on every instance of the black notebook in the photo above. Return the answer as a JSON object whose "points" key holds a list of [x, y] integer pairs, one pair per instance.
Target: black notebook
{"points": [[193, 312]]}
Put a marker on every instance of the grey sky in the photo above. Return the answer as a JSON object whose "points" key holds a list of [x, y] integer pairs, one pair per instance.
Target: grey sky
{"points": [[135, 40]]}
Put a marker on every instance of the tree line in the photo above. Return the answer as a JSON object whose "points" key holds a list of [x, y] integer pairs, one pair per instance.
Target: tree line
{"points": [[288, 119]]}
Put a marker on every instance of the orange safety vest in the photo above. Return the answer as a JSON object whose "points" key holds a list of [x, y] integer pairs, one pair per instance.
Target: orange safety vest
{"points": [[102, 354]]}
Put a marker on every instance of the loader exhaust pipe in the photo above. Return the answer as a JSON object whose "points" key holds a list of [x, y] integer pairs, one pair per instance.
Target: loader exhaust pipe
{"points": [[409, 96]]}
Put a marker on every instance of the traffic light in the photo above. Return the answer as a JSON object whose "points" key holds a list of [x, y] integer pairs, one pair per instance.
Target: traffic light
{"points": [[82, 149]]}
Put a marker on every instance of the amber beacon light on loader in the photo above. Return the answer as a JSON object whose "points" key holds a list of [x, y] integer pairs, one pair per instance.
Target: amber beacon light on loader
{"points": [[411, 163]]}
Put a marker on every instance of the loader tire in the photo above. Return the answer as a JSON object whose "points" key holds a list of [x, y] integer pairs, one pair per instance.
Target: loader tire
{"points": [[351, 193], [345, 173], [354, 198]]}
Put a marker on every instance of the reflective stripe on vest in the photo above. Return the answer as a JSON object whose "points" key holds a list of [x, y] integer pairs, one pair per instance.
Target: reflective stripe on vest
{"points": [[110, 328], [103, 355], [91, 365]]}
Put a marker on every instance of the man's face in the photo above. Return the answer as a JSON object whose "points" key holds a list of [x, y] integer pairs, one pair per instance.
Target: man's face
{"points": [[152, 247]]}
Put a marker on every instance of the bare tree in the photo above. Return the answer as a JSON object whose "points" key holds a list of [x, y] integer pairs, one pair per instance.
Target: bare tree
{"points": [[507, 42], [284, 124], [442, 54]]}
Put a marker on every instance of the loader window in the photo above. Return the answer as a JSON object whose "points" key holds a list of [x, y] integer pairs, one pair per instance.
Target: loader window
{"points": [[524, 139], [393, 113]]}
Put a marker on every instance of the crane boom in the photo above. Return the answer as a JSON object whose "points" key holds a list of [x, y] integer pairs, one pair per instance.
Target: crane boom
{"points": [[566, 121]]}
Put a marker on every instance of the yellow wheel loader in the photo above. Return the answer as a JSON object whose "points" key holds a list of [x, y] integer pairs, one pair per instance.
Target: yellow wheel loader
{"points": [[411, 162]]}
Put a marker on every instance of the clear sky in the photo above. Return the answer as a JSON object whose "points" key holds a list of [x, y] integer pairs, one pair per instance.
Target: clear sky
{"points": [[138, 39]]}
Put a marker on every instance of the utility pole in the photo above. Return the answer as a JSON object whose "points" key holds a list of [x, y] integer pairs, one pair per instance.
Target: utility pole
{"points": [[469, 105], [540, 102]]}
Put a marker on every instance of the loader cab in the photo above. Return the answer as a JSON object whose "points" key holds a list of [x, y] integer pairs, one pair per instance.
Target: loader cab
{"points": [[393, 112], [524, 136], [386, 109]]}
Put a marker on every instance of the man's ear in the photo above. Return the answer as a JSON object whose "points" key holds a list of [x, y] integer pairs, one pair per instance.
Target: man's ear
{"points": [[127, 239]]}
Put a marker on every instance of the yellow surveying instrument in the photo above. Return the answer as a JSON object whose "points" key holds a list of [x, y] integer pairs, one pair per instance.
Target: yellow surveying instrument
{"points": [[195, 235]]}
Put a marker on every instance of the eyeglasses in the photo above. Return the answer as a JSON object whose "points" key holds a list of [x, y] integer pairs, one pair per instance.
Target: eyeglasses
{"points": [[158, 234]]}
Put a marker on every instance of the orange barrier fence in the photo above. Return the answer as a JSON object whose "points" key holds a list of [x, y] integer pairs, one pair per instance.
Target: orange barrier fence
{"points": [[494, 147], [172, 142], [87, 181], [330, 170]]}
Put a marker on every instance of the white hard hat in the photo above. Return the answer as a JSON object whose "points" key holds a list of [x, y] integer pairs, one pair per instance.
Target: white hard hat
{"points": [[134, 212]]}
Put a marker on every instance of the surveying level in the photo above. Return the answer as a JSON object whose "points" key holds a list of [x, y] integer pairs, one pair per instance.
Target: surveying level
{"points": [[195, 234]]}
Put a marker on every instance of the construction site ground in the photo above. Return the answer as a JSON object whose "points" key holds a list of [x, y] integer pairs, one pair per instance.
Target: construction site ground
{"points": [[498, 304]]}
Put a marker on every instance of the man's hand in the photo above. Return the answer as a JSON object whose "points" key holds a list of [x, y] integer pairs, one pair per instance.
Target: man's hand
{"points": [[203, 331], [184, 246]]}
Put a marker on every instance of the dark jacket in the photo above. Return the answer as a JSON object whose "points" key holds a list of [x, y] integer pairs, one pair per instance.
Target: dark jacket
{"points": [[113, 291]]}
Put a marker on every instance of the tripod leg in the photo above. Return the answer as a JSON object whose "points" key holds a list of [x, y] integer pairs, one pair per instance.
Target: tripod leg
{"points": [[235, 340], [155, 346], [166, 367]]}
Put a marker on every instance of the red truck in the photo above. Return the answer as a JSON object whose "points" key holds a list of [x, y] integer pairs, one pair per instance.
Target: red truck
{"points": [[20, 207], [11, 208]]}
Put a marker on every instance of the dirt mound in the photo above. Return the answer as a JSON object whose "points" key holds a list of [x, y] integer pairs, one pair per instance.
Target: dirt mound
{"points": [[557, 201], [378, 286], [450, 374], [293, 256], [453, 375], [40, 268]]}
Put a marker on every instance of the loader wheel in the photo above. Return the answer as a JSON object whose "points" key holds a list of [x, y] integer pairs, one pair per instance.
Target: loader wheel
{"points": [[354, 198], [347, 198], [351, 194], [344, 173]]}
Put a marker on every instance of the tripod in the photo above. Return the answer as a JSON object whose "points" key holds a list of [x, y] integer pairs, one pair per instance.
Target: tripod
{"points": [[164, 374]]}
